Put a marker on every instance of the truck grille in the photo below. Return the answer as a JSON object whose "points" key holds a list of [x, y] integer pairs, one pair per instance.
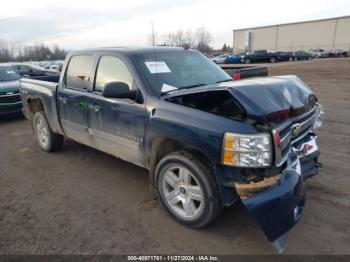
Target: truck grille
{"points": [[10, 98], [290, 133]]}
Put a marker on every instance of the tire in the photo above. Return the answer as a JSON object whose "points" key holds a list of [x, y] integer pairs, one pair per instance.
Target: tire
{"points": [[177, 176], [295, 59], [47, 140], [247, 61], [273, 60], [291, 58]]}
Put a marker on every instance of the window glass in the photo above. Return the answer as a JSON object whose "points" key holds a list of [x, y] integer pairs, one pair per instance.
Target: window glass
{"points": [[111, 69], [8, 74], [78, 72], [23, 67], [165, 71]]}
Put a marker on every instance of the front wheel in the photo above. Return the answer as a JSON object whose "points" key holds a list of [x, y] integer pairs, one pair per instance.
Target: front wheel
{"points": [[187, 189], [47, 140], [272, 60]]}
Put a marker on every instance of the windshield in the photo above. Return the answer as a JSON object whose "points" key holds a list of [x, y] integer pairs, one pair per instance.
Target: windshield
{"points": [[168, 71], [8, 74]]}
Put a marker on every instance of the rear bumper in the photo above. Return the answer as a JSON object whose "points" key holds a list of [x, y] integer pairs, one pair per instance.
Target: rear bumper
{"points": [[278, 208]]}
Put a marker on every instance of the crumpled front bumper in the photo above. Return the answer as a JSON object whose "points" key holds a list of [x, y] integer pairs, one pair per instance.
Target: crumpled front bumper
{"points": [[278, 208]]}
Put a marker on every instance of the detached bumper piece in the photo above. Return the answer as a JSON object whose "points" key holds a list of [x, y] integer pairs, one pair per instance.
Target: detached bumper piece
{"points": [[279, 208], [277, 203]]}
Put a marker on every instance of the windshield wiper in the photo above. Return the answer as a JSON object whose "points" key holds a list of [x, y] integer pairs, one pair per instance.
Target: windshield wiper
{"points": [[190, 86], [226, 80], [184, 87]]}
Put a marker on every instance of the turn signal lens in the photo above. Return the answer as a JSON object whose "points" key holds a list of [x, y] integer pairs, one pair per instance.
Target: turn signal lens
{"points": [[229, 141], [229, 158]]}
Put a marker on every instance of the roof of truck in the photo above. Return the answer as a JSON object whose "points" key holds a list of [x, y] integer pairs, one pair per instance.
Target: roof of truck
{"points": [[133, 50]]}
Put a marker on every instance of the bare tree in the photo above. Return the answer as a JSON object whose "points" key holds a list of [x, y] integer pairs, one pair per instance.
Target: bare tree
{"points": [[199, 39], [12, 51], [204, 39]]}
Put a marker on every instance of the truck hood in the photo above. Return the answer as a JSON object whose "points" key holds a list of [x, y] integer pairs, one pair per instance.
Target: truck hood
{"points": [[268, 99]]}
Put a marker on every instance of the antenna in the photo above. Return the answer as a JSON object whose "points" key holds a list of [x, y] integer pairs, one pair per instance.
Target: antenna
{"points": [[153, 35]]}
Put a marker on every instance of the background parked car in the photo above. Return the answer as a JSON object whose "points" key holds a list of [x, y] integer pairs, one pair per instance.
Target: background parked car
{"points": [[10, 100], [234, 58], [221, 59], [259, 56], [28, 70], [301, 55], [337, 53], [55, 66], [319, 53], [283, 56]]}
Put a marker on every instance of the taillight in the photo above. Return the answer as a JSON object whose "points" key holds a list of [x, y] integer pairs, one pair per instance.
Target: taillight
{"points": [[236, 76]]}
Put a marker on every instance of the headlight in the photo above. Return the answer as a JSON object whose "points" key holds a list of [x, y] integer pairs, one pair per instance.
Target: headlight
{"points": [[319, 117], [247, 150]]}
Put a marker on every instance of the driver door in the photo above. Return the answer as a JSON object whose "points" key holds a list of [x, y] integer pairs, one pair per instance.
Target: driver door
{"points": [[116, 126]]}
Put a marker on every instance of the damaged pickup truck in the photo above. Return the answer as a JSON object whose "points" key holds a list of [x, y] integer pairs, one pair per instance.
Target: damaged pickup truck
{"points": [[206, 140]]}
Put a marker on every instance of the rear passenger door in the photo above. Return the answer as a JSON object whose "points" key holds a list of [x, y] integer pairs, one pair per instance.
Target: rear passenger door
{"points": [[116, 126], [72, 101]]}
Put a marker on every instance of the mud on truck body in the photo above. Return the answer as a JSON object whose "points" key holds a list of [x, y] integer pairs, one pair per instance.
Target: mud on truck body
{"points": [[206, 140]]}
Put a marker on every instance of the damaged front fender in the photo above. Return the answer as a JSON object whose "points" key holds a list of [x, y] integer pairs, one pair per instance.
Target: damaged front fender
{"points": [[278, 208]]}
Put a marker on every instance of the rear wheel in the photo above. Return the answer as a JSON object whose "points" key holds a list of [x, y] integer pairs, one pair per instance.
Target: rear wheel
{"points": [[295, 59], [247, 61], [272, 59], [47, 140], [187, 190]]}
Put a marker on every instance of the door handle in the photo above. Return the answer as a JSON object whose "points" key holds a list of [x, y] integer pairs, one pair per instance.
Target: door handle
{"points": [[95, 107], [63, 99]]}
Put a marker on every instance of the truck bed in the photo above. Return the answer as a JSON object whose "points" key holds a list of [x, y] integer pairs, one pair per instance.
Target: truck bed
{"points": [[245, 71], [40, 93]]}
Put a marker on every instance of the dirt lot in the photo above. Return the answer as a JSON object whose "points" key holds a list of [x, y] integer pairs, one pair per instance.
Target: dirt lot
{"points": [[81, 201]]}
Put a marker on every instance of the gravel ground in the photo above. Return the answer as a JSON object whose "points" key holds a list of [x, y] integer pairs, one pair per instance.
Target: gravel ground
{"points": [[81, 201]]}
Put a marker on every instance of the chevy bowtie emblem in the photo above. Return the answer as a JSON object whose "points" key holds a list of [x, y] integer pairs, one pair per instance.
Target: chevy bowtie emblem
{"points": [[296, 129]]}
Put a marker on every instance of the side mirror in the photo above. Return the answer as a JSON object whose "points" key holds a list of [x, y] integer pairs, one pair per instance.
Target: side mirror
{"points": [[118, 90]]}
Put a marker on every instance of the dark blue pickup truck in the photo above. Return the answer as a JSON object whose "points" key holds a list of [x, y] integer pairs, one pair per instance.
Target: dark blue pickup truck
{"points": [[261, 56], [206, 140]]}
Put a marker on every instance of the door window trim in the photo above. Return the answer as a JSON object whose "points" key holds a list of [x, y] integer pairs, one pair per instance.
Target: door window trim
{"points": [[93, 91], [64, 85]]}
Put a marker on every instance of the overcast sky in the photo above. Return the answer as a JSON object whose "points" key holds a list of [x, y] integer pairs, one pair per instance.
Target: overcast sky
{"points": [[93, 23]]}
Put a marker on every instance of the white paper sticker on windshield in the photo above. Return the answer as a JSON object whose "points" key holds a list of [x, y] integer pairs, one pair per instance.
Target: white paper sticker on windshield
{"points": [[156, 67], [167, 88]]}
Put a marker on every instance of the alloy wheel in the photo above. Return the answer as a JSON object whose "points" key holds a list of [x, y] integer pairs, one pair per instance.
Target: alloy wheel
{"points": [[182, 192]]}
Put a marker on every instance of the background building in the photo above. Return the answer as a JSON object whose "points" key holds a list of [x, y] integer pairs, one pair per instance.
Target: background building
{"points": [[325, 33]]}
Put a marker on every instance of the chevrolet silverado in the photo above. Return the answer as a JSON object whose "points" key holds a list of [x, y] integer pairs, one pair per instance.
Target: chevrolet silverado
{"points": [[207, 141]]}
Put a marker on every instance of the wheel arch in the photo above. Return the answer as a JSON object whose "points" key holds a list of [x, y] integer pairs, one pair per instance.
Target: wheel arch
{"points": [[35, 104], [162, 146]]}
